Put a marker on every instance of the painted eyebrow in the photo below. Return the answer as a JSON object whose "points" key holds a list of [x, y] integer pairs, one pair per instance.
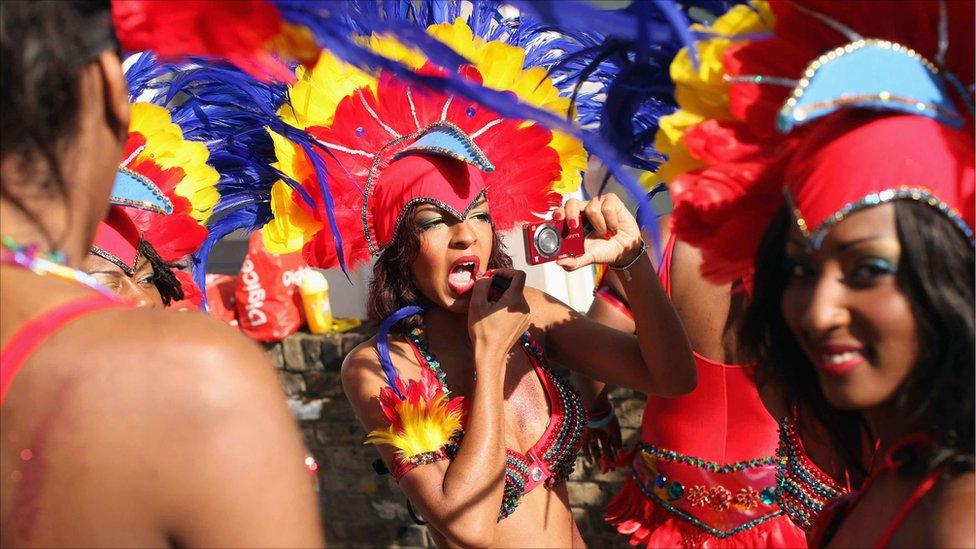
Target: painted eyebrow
{"points": [[848, 245], [796, 242]]}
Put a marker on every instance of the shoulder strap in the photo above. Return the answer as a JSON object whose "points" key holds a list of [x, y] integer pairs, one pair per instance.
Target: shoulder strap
{"points": [[39, 328], [664, 272], [926, 485]]}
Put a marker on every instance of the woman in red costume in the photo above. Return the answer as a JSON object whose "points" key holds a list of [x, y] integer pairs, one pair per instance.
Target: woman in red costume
{"points": [[455, 390], [704, 473], [121, 427], [709, 468], [861, 315]]}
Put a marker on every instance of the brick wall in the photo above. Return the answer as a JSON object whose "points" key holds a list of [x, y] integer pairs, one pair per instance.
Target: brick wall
{"points": [[363, 509]]}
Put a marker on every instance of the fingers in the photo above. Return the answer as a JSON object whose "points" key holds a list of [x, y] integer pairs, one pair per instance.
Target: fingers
{"points": [[594, 214], [588, 454], [572, 209], [570, 264], [610, 209], [516, 288], [479, 293]]}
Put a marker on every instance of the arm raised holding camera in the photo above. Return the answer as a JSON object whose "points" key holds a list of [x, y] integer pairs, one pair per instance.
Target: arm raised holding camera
{"points": [[658, 358]]}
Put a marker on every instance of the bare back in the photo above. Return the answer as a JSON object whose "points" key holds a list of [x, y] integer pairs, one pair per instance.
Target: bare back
{"points": [[145, 428], [710, 313]]}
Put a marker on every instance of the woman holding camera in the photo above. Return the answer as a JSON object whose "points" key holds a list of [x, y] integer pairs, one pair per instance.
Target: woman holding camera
{"points": [[455, 390]]}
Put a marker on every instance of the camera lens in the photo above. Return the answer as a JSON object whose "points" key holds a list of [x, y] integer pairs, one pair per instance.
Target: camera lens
{"points": [[547, 240]]}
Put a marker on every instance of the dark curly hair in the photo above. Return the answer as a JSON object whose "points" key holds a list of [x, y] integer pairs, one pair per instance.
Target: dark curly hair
{"points": [[43, 47], [165, 281], [392, 287], [935, 273]]}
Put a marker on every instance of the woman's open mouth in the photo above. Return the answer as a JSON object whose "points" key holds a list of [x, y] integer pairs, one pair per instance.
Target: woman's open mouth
{"points": [[463, 273]]}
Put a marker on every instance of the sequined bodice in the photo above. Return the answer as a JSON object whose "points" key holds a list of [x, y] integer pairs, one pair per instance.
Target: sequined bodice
{"points": [[551, 459], [803, 490]]}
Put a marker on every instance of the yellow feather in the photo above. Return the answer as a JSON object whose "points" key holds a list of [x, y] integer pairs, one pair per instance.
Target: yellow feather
{"points": [[391, 48], [166, 147], [703, 93], [317, 93], [426, 427], [501, 68], [291, 227]]}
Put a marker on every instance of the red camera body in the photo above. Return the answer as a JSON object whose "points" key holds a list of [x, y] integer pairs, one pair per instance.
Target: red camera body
{"points": [[547, 241]]}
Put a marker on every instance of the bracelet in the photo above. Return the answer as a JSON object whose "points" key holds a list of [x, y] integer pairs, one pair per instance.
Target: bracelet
{"points": [[601, 422], [626, 268]]}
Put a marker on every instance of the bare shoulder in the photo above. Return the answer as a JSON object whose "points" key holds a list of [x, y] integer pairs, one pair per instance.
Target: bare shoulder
{"points": [[950, 513], [162, 357], [361, 355], [362, 371], [361, 366]]}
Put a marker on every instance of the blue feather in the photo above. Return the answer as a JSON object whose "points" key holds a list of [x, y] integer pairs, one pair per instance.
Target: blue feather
{"points": [[329, 205], [383, 343], [247, 218], [228, 110]]}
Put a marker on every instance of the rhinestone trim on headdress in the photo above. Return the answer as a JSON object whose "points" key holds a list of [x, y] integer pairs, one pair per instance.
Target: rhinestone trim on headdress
{"points": [[919, 194], [108, 256], [142, 204], [482, 162], [790, 110]]}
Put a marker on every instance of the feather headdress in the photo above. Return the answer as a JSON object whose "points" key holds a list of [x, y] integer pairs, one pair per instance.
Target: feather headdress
{"points": [[358, 117], [226, 112], [736, 162], [156, 154]]}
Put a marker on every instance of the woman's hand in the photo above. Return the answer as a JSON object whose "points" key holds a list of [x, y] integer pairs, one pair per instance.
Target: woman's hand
{"points": [[495, 326], [616, 238], [601, 445]]}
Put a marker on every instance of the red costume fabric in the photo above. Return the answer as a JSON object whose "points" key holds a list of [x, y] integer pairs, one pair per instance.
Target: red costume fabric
{"points": [[117, 240], [704, 474]]}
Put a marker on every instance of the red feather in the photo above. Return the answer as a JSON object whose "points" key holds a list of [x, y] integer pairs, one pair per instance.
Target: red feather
{"points": [[519, 188], [236, 30]]}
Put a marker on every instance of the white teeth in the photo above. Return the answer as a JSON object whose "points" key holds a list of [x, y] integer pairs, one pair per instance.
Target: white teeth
{"points": [[839, 358]]}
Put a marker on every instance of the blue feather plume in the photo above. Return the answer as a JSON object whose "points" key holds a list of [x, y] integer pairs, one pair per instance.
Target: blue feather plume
{"points": [[228, 110]]}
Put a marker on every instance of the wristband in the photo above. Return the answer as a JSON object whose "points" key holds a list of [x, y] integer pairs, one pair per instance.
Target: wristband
{"points": [[625, 268], [601, 422]]}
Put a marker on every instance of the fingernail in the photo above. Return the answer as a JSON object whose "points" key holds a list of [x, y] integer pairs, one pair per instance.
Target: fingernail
{"points": [[573, 223], [557, 215]]}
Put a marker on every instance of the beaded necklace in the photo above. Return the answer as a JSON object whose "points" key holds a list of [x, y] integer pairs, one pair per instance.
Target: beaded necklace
{"points": [[45, 263]]}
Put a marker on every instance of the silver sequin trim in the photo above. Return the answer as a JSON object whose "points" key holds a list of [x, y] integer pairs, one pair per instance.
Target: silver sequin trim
{"points": [[374, 247], [799, 114], [107, 256], [918, 194]]}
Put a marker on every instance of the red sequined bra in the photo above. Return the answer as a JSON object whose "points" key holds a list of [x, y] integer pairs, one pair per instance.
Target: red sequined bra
{"points": [[551, 459], [802, 489]]}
